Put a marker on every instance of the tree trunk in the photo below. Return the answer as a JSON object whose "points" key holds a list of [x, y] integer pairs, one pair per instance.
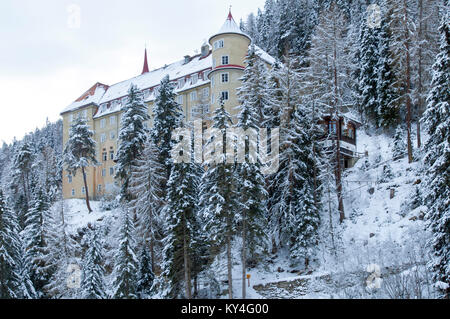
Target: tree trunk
{"points": [[244, 254], [187, 278], [229, 261], [86, 190], [408, 83]]}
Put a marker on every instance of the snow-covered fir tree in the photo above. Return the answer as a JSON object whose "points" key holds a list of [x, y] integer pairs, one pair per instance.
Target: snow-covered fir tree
{"points": [[146, 276], [253, 97], [10, 253], [437, 160], [387, 111], [132, 136], [93, 283], [219, 192], [179, 223], [79, 152], [295, 208], [167, 115], [399, 147], [126, 265], [146, 185], [368, 75]]}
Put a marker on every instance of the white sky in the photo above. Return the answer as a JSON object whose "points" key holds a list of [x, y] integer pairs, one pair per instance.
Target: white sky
{"points": [[47, 61]]}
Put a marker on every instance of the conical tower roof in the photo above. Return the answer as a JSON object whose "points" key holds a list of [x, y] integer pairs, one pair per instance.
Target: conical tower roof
{"points": [[230, 26]]}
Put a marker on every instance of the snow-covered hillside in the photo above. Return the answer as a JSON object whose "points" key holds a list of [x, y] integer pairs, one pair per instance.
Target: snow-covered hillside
{"points": [[388, 232]]}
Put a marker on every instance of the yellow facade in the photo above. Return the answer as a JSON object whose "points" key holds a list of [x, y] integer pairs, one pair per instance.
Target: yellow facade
{"points": [[227, 58]]}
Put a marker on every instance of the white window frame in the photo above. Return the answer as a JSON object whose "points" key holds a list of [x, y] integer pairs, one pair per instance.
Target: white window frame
{"points": [[70, 118], [181, 83], [84, 114], [180, 99], [102, 123], [111, 171], [69, 179], [99, 188], [83, 190], [213, 81], [73, 191], [205, 92], [218, 44], [103, 138], [227, 58], [112, 135], [193, 95], [212, 98], [112, 120], [111, 155], [194, 78], [103, 172], [225, 77]]}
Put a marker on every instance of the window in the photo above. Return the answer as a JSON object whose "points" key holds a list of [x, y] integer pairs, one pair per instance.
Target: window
{"points": [[194, 96], [218, 44], [194, 78], [69, 178], [111, 155], [103, 138], [104, 156], [73, 192], [180, 99], [84, 114], [83, 190], [212, 81], [180, 83], [332, 127], [99, 187], [103, 172], [205, 108], [212, 98], [112, 120], [224, 77], [224, 95], [102, 123], [205, 92], [111, 171], [225, 59], [112, 135], [70, 118]]}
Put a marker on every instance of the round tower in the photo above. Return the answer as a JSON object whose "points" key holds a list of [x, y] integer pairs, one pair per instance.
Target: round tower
{"points": [[229, 50]]}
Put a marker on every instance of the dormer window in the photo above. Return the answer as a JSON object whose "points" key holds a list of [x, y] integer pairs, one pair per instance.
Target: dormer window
{"points": [[218, 44], [194, 78], [180, 83]]}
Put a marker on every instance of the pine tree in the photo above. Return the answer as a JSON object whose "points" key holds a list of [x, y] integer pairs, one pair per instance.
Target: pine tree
{"points": [[35, 241], [132, 136], [79, 152], [437, 159], [368, 75], [126, 263], [59, 253], [219, 192], [387, 96], [22, 164], [399, 147], [180, 220], [253, 98], [92, 285], [146, 276], [167, 115], [146, 185], [9, 253]]}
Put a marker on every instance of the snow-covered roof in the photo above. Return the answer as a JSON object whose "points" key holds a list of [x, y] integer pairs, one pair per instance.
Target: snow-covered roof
{"points": [[264, 55], [103, 94], [91, 96], [230, 26]]}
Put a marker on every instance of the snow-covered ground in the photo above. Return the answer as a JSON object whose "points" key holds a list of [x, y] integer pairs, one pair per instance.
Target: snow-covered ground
{"points": [[377, 230]]}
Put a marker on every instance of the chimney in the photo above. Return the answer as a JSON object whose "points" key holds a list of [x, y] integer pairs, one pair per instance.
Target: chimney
{"points": [[187, 59]]}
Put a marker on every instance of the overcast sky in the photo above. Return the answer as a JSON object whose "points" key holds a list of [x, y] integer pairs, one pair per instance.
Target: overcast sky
{"points": [[49, 56]]}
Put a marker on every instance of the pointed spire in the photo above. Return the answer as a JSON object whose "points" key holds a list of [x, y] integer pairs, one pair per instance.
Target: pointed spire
{"points": [[145, 68], [230, 16]]}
